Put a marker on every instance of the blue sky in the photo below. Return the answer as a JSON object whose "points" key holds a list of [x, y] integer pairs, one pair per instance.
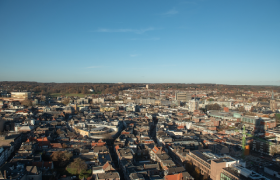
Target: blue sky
{"points": [[157, 41]]}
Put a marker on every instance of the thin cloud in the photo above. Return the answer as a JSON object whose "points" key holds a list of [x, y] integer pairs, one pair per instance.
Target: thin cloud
{"points": [[91, 67], [145, 39], [171, 12], [134, 55], [136, 31]]}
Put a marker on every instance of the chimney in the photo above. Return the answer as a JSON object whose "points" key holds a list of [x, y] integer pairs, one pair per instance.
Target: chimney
{"points": [[5, 174]]}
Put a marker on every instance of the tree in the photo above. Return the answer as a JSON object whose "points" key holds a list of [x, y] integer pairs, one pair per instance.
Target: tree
{"points": [[213, 107], [59, 132], [241, 109], [43, 98], [79, 165], [26, 102], [273, 150], [196, 173], [189, 166], [85, 174], [277, 117], [205, 177], [61, 157], [65, 101], [84, 91]]}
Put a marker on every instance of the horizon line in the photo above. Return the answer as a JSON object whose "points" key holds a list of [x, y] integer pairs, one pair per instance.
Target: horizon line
{"points": [[141, 83]]}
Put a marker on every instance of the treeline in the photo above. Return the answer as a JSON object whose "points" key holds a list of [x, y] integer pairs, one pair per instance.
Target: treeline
{"points": [[104, 88], [217, 87], [65, 88]]}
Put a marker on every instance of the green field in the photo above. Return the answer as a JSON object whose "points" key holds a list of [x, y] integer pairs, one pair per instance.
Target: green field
{"points": [[71, 94]]}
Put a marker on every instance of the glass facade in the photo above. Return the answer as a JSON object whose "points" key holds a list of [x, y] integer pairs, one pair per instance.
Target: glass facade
{"points": [[250, 120]]}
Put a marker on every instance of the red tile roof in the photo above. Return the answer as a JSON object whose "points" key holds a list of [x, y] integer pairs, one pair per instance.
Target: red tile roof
{"points": [[56, 145], [174, 177], [155, 149], [106, 165]]}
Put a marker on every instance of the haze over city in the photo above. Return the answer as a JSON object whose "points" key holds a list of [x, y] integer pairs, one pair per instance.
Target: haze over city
{"points": [[203, 41]]}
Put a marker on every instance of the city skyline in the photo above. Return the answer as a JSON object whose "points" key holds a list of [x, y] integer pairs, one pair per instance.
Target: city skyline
{"points": [[223, 42]]}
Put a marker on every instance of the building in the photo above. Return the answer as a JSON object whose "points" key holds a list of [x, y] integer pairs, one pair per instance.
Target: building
{"points": [[209, 163], [107, 108], [258, 123], [238, 172], [108, 176], [221, 103], [264, 146], [183, 96], [97, 100], [193, 105], [272, 104], [218, 148], [21, 95], [272, 170], [275, 132]]}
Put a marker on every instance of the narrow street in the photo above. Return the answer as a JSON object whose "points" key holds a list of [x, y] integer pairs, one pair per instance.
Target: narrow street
{"points": [[153, 130], [114, 156]]}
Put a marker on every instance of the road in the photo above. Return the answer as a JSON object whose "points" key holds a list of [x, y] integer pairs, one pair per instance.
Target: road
{"points": [[114, 156]]}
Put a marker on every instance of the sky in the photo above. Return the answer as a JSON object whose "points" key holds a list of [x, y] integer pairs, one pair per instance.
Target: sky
{"points": [[141, 41]]}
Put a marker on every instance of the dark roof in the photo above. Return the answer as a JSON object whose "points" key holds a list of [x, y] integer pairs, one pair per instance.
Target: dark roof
{"points": [[174, 170], [274, 168], [151, 166], [164, 156], [108, 175]]}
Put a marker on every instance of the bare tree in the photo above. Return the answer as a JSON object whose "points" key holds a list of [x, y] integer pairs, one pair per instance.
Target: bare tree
{"points": [[79, 164]]}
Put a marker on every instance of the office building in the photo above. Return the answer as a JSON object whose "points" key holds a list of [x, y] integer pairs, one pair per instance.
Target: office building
{"points": [[183, 96]]}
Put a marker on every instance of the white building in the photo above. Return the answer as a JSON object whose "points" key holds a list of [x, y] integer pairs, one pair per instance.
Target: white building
{"points": [[193, 105]]}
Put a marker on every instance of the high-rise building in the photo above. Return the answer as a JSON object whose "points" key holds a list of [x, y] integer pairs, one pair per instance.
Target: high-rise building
{"points": [[147, 86], [183, 96], [193, 105], [273, 105]]}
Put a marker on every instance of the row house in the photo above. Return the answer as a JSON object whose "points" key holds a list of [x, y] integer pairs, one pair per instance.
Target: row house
{"points": [[207, 131]]}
